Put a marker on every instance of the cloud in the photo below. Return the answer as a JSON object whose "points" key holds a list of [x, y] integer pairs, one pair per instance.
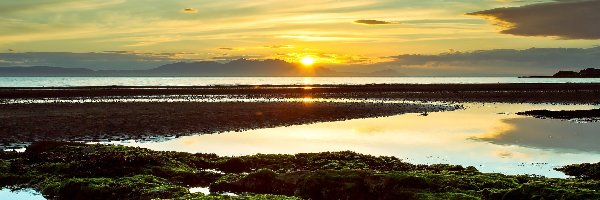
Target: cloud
{"points": [[372, 22], [567, 19], [189, 10], [226, 57], [279, 46], [498, 62]]}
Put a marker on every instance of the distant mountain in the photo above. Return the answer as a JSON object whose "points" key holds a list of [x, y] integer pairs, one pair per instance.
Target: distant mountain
{"points": [[43, 71], [240, 67], [586, 73]]}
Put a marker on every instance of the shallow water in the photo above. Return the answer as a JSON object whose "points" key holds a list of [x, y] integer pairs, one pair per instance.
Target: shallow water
{"points": [[24, 194], [488, 136], [205, 81]]}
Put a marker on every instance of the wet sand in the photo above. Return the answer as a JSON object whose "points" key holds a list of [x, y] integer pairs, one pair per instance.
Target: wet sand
{"points": [[120, 121], [28, 122], [583, 115], [582, 93]]}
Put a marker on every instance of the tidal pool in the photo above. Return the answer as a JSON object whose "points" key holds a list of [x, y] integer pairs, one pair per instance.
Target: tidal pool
{"points": [[488, 136], [22, 194]]}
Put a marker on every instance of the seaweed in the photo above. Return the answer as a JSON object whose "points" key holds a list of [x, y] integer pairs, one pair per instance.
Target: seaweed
{"points": [[61, 170]]}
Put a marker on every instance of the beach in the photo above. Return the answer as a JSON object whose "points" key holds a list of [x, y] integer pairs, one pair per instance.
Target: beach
{"points": [[122, 113]]}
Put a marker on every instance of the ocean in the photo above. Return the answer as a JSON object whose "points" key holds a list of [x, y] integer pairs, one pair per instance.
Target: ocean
{"points": [[208, 81]]}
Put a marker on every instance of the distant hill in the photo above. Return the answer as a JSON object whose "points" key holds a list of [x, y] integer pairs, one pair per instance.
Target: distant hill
{"points": [[586, 73], [43, 71], [240, 67]]}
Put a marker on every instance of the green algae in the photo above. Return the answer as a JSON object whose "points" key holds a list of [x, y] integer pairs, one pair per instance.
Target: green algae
{"points": [[198, 196], [77, 171], [134, 187], [584, 170]]}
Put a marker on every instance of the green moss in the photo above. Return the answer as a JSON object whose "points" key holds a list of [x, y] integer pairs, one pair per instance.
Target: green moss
{"points": [[4, 166], [584, 170], [198, 196], [135, 187], [445, 196], [67, 170]]}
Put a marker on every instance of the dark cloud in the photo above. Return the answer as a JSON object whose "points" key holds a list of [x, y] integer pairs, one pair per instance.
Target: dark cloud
{"points": [[372, 22], [118, 52], [226, 57], [189, 10], [567, 19], [499, 62]]}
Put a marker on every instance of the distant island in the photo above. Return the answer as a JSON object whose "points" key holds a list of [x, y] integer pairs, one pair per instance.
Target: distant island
{"points": [[235, 68], [586, 73]]}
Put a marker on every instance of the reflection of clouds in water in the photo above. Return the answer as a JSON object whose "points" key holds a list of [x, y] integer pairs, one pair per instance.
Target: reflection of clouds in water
{"points": [[369, 129], [557, 135], [438, 138], [502, 127], [502, 153]]}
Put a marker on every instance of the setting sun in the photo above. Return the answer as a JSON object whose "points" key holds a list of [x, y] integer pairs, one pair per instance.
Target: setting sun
{"points": [[307, 61]]}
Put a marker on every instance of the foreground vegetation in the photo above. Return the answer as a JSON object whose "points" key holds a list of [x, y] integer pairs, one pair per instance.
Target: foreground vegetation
{"points": [[78, 171]]}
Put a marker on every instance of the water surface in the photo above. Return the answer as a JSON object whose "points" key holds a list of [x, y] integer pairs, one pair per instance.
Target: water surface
{"points": [[23, 194], [488, 136], [206, 81]]}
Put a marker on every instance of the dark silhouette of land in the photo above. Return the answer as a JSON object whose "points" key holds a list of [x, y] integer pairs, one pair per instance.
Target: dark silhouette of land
{"points": [[235, 68], [593, 114], [586, 73]]}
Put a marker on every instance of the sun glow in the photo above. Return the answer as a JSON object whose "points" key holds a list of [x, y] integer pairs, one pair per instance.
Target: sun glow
{"points": [[307, 61]]}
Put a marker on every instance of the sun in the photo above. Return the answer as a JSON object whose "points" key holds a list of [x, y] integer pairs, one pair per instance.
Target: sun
{"points": [[307, 61]]}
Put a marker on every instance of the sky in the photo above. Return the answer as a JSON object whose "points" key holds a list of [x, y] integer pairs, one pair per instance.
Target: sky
{"points": [[349, 35]]}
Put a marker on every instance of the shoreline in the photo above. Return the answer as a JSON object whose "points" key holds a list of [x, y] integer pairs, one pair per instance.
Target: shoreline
{"points": [[67, 170], [24, 123], [117, 119], [576, 93]]}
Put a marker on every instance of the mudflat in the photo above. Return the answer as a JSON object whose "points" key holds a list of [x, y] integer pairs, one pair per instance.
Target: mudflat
{"points": [[33, 114], [585, 93], [117, 121]]}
